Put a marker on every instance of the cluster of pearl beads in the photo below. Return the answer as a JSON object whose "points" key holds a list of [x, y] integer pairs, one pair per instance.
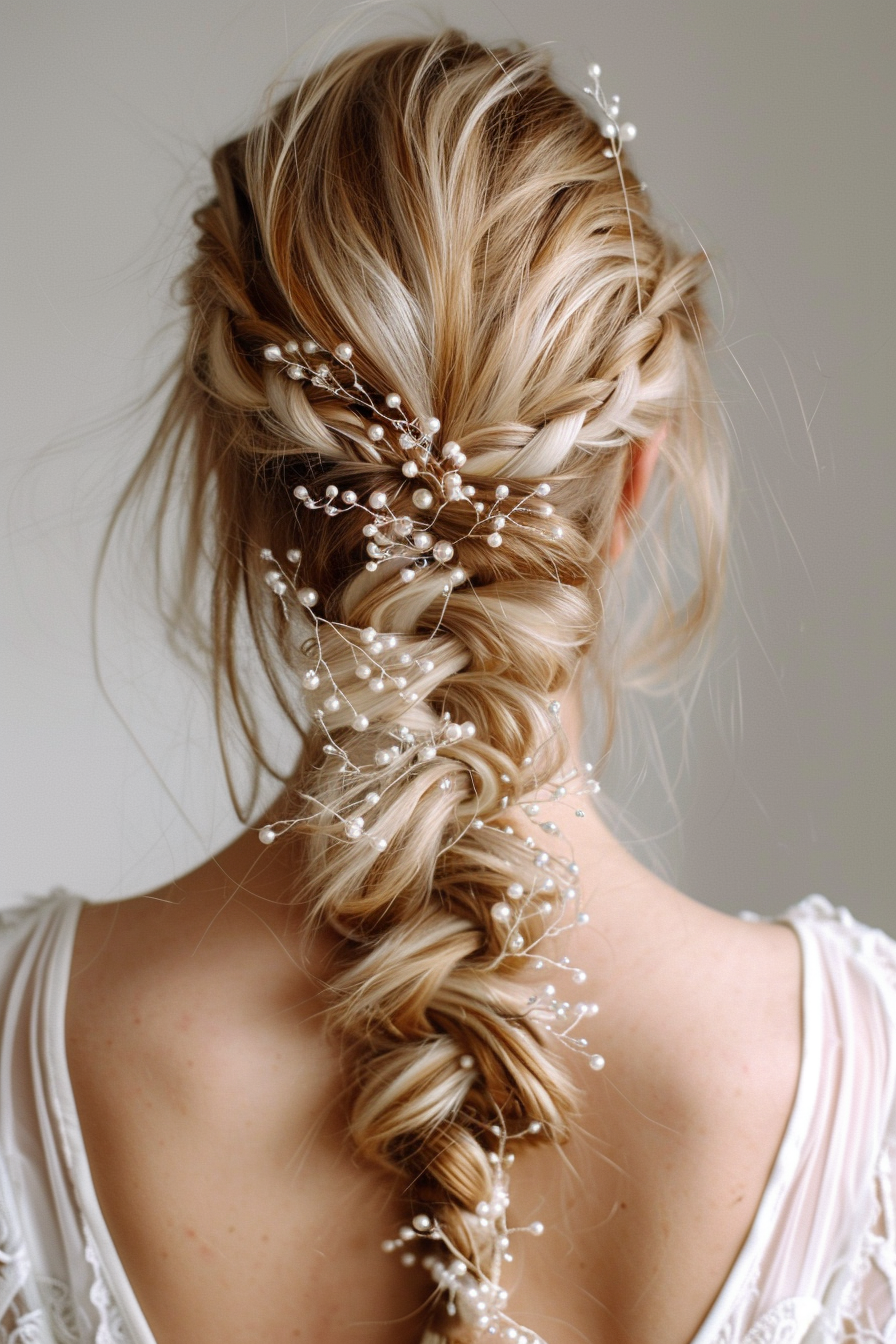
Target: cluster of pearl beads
{"points": [[616, 134], [476, 1299], [610, 127], [370, 650], [392, 534], [306, 360]]}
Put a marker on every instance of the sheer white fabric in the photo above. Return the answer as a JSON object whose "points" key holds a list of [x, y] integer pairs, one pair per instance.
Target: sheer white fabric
{"points": [[818, 1266]]}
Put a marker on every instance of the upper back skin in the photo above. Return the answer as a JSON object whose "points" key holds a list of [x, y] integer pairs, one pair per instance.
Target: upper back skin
{"points": [[210, 1097]]}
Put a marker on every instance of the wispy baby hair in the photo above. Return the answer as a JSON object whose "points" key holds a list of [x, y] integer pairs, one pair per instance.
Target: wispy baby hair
{"points": [[447, 225]]}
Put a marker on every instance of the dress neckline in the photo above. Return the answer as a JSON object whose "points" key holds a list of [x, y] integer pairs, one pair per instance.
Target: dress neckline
{"points": [[113, 1271], [792, 1142], [100, 1249]]}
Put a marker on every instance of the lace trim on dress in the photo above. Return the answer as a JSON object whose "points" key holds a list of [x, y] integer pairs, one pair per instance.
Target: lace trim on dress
{"points": [[34, 1309], [861, 1308]]}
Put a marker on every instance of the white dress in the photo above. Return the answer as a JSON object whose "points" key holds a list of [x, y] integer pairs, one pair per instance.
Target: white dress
{"points": [[818, 1265]]}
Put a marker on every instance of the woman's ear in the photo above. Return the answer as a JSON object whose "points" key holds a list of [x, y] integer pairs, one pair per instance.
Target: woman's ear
{"points": [[643, 458]]}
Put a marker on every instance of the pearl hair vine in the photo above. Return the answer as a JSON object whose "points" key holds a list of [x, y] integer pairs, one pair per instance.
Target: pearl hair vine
{"points": [[368, 691], [475, 1299], [437, 478], [550, 896]]}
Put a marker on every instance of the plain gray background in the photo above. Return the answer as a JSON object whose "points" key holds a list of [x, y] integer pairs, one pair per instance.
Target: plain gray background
{"points": [[765, 130]]}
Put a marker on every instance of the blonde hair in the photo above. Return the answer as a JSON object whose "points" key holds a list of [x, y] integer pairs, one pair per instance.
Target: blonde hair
{"points": [[451, 212]]}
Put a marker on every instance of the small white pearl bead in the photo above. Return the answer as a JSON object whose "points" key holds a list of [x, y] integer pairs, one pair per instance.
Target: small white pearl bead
{"points": [[375, 433], [457, 576], [467, 1062], [378, 499], [543, 489], [422, 498], [501, 491], [422, 541], [301, 492], [310, 347], [405, 575], [311, 681], [409, 469], [343, 351], [293, 555], [426, 664], [393, 400], [597, 1062], [273, 353], [450, 449], [307, 597], [267, 835], [443, 551], [360, 722], [331, 703], [501, 913], [453, 733], [431, 424], [494, 539]]}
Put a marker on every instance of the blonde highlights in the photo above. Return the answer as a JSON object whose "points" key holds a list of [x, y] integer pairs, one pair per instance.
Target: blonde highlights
{"points": [[451, 212]]}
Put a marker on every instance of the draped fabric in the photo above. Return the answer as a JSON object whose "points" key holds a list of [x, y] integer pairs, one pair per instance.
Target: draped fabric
{"points": [[817, 1267]]}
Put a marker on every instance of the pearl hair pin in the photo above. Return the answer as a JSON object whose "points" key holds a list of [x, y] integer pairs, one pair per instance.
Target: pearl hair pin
{"points": [[616, 134]]}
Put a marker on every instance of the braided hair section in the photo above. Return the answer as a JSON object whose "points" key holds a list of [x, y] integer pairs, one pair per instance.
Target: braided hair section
{"points": [[429, 317]]}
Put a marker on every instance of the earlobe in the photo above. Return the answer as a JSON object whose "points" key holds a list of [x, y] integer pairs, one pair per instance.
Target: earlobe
{"points": [[643, 459]]}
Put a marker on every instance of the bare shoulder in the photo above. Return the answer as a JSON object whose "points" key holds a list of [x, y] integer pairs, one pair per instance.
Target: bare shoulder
{"points": [[700, 1025], [715, 1005]]}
